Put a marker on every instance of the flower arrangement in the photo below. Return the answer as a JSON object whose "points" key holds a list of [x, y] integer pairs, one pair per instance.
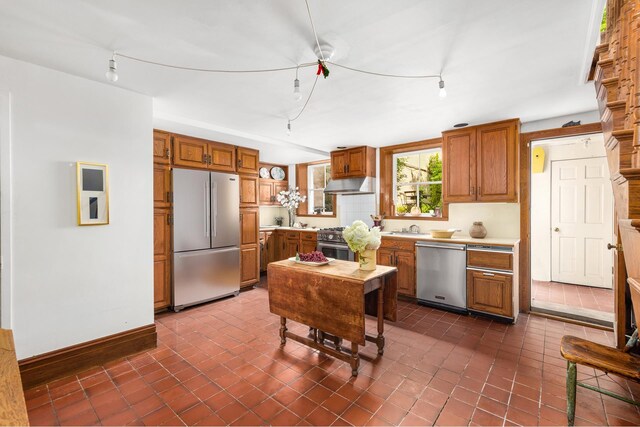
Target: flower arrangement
{"points": [[364, 241], [291, 199]]}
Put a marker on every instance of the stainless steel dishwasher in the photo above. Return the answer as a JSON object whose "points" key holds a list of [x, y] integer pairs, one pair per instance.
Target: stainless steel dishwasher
{"points": [[441, 276]]}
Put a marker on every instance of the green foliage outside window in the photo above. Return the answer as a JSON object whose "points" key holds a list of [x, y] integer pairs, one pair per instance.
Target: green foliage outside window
{"points": [[418, 181], [431, 195]]}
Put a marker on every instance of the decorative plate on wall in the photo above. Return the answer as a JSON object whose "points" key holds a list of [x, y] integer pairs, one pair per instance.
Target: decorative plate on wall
{"points": [[277, 173], [264, 173]]}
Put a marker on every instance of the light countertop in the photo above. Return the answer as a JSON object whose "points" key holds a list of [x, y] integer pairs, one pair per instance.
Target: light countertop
{"points": [[275, 227], [455, 239]]}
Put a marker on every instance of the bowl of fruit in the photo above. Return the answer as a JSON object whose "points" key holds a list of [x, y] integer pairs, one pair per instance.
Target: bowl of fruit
{"points": [[315, 259]]}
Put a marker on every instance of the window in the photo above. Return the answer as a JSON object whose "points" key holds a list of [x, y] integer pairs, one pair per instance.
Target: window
{"points": [[417, 183], [319, 203]]}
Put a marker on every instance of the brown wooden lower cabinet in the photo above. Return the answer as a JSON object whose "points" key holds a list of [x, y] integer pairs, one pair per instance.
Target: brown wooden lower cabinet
{"points": [[291, 247], [307, 246], [405, 261], [249, 265], [490, 293], [249, 246], [282, 244], [161, 258]]}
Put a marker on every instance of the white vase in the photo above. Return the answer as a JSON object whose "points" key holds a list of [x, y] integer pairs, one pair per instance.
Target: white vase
{"points": [[292, 217], [367, 259]]}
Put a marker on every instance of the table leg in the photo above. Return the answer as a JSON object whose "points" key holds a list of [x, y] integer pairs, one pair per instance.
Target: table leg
{"points": [[337, 341], [283, 329], [380, 341], [355, 359]]}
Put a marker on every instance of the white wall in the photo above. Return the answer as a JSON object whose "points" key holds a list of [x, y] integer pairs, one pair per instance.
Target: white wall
{"points": [[73, 284], [268, 214], [556, 122], [555, 149], [502, 220]]}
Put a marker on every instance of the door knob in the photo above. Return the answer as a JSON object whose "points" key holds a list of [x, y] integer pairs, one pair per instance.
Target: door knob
{"points": [[556, 229], [616, 247]]}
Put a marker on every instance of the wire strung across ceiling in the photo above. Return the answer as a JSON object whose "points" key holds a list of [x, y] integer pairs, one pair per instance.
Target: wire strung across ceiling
{"points": [[321, 63]]}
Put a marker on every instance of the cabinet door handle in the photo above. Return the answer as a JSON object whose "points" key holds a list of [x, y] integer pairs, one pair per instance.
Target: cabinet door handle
{"points": [[390, 259], [396, 261], [488, 274], [347, 168], [168, 196], [239, 163], [204, 158], [473, 190], [210, 159], [167, 153]]}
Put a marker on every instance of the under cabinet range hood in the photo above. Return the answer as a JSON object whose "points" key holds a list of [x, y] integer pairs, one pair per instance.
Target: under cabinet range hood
{"points": [[348, 186]]}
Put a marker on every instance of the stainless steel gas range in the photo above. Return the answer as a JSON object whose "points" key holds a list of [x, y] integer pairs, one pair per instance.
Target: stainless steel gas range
{"points": [[332, 244]]}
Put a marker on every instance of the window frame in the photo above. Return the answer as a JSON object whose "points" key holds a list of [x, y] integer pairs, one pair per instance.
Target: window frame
{"points": [[388, 176], [417, 184], [302, 182], [310, 190]]}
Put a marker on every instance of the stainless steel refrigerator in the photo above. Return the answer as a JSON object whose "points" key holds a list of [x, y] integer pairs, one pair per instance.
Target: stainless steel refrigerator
{"points": [[206, 236]]}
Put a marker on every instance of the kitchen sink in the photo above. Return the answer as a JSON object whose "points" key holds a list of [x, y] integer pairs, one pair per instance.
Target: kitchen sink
{"points": [[403, 233]]}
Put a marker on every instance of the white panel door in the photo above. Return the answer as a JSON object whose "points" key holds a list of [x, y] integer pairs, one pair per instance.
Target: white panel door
{"points": [[581, 222]]}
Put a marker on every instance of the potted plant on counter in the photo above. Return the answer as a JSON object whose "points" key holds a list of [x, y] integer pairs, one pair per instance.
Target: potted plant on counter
{"points": [[364, 241], [291, 199]]}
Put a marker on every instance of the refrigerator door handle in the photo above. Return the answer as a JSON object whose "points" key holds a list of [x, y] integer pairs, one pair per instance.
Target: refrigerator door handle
{"points": [[206, 208], [215, 208]]}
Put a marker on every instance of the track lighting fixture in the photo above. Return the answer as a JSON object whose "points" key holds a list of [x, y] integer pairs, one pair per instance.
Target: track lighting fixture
{"points": [[112, 72], [443, 92]]}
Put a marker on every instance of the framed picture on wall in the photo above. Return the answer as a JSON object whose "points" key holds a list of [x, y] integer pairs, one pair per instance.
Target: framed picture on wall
{"points": [[93, 193]]}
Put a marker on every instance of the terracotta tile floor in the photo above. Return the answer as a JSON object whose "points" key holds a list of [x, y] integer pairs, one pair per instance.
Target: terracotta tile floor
{"points": [[221, 363], [587, 297]]}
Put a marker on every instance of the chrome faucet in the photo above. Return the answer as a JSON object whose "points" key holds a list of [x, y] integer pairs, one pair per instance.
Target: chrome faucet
{"points": [[414, 229]]}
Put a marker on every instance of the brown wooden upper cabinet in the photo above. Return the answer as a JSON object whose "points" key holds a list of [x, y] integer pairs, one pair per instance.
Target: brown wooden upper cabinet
{"points": [[269, 190], [353, 163], [199, 153], [162, 194], [248, 160], [161, 147], [480, 163], [249, 191]]}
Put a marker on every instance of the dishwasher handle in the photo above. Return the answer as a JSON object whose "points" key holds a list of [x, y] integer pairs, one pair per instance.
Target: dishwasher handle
{"points": [[455, 248]]}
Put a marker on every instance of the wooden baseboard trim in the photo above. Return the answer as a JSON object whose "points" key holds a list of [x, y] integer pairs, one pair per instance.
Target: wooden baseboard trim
{"points": [[76, 358]]}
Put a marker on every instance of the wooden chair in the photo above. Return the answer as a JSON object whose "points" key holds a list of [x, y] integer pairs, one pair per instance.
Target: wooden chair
{"points": [[579, 351]]}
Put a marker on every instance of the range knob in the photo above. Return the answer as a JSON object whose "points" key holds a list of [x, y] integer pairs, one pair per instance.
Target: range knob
{"points": [[330, 236]]}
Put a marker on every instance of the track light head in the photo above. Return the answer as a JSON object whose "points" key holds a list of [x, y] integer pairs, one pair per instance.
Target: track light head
{"points": [[443, 92], [297, 95], [112, 72]]}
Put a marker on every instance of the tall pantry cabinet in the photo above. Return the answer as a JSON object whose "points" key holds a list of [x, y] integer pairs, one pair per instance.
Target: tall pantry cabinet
{"points": [[247, 164], [162, 219]]}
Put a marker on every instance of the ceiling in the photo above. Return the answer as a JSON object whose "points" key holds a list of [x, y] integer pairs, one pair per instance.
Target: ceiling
{"points": [[499, 58]]}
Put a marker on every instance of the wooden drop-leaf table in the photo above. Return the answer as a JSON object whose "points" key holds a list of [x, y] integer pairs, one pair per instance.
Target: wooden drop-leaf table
{"points": [[333, 300]]}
